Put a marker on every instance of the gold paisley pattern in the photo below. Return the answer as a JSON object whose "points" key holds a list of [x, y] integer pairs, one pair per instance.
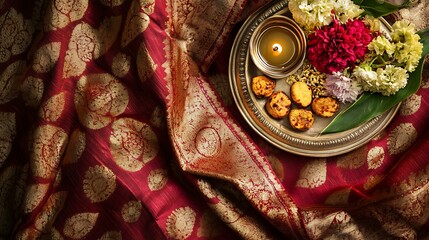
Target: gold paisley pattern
{"points": [[7, 134], [352, 160], [137, 20], [121, 65], [157, 179], [375, 157], [61, 13], [75, 148], [47, 215], [46, 57], [35, 194], [112, 3], [401, 138], [15, 34], [79, 225], [48, 145], [313, 174], [10, 82], [53, 108], [112, 235], [99, 183], [132, 144], [145, 65], [131, 211], [87, 44], [411, 105], [99, 98], [180, 223], [32, 91]]}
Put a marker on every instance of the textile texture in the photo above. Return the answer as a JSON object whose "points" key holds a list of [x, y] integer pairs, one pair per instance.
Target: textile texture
{"points": [[117, 122]]}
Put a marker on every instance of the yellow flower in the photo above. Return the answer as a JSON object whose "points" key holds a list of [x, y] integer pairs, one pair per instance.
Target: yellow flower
{"points": [[381, 45], [408, 46]]}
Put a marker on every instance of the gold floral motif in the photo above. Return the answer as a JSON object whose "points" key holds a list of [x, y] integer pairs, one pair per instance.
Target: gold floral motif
{"points": [[375, 157], [62, 12], [180, 223], [7, 134], [145, 65], [111, 235], [131, 211], [32, 91], [48, 146], [132, 144], [79, 225], [10, 82], [98, 98], [112, 3], [46, 57], [15, 34], [48, 214], [372, 181], [157, 179], [75, 147], [99, 183], [352, 160], [87, 44], [208, 142], [313, 174], [137, 20], [53, 108], [401, 138], [35, 194], [411, 105], [121, 65], [339, 197]]}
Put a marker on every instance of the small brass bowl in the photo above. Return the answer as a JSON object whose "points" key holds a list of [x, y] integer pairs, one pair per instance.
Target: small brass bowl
{"points": [[282, 27]]}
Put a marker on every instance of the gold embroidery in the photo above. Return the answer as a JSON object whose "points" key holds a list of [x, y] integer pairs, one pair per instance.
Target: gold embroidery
{"points": [[47, 215], [313, 174], [15, 34], [131, 211], [99, 98], [87, 43], [46, 57], [132, 144], [411, 105], [48, 145], [401, 138], [339, 197], [7, 134], [79, 225], [352, 160], [32, 91], [137, 20], [53, 108], [10, 82], [208, 142], [112, 235], [99, 183], [75, 147], [372, 181], [121, 65], [112, 3], [145, 65], [180, 223], [157, 179], [277, 166], [375, 157], [35, 193], [62, 12]]}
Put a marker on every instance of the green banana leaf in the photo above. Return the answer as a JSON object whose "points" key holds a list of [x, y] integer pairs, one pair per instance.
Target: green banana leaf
{"points": [[370, 105], [379, 8]]}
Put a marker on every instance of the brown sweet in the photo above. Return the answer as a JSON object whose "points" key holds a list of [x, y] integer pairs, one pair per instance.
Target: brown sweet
{"points": [[325, 106], [278, 104], [301, 119], [263, 86], [301, 94]]}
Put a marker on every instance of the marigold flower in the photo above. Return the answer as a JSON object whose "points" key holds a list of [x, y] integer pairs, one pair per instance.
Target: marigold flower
{"points": [[338, 46]]}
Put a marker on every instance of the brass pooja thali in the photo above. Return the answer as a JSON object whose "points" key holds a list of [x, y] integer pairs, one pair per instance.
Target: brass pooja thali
{"points": [[242, 68]]}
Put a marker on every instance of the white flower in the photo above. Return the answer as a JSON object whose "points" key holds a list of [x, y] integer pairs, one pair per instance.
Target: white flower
{"points": [[342, 87], [386, 81], [311, 13], [346, 9]]}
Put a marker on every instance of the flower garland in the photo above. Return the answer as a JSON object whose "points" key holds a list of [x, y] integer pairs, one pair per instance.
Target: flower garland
{"points": [[353, 52]]}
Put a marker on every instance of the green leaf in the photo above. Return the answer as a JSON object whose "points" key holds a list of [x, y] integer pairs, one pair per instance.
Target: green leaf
{"points": [[379, 8], [371, 105]]}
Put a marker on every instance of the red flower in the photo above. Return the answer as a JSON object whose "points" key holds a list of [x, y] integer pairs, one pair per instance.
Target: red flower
{"points": [[337, 46]]}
